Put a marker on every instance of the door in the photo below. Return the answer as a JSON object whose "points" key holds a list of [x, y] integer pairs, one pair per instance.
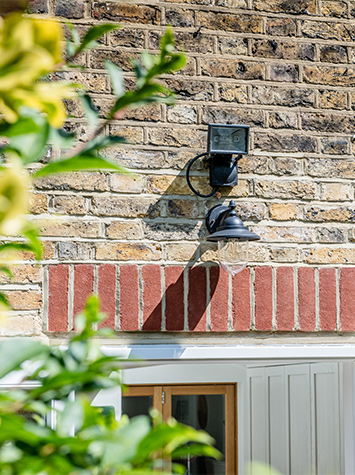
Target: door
{"points": [[211, 408]]}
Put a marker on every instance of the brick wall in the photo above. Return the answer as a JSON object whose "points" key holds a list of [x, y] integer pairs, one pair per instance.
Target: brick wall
{"points": [[287, 69]]}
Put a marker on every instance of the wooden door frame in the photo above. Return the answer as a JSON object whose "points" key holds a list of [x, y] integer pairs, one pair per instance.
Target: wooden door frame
{"points": [[169, 390]]}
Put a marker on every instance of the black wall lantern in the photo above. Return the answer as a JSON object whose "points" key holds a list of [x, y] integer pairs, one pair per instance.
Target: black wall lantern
{"points": [[226, 145]]}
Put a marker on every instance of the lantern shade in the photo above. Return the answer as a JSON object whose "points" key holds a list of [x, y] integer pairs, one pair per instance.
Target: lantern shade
{"points": [[223, 222]]}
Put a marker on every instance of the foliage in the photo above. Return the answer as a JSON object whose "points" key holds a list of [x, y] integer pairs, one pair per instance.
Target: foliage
{"points": [[32, 114], [101, 445]]}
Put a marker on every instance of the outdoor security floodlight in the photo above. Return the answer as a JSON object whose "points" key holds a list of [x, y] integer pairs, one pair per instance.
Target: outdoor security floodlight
{"points": [[225, 146]]}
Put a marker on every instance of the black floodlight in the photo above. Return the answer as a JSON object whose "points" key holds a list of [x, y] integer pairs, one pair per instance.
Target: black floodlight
{"points": [[230, 139], [226, 144]]}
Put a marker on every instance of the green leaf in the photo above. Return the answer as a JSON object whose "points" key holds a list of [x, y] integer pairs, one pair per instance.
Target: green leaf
{"points": [[89, 109], [117, 79], [145, 93], [35, 243], [15, 246], [28, 136], [89, 40], [72, 417], [15, 352], [78, 163], [6, 270], [4, 300], [61, 139]]}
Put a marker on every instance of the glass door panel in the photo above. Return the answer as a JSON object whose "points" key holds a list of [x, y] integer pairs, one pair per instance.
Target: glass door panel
{"points": [[203, 412]]}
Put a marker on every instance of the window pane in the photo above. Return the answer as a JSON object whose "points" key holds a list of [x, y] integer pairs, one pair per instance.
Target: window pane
{"points": [[136, 405]]}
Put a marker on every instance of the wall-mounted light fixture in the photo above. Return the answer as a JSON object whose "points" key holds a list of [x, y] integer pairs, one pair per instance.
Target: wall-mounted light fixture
{"points": [[223, 222]]}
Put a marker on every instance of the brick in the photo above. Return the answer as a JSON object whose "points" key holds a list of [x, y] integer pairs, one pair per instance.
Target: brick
{"points": [[306, 299], [297, 7], [181, 251], [83, 181], [282, 143], [333, 76], [129, 298], [180, 17], [333, 54], [127, 38], [23, 274], [183, 208], [83, 286], [219, 289], [197, 298], [253, 164], [74, 250], [328, 30], [176, 137], [123, 59], [301, 190], [335, 145], [329, 99], [339, 214], [125, 207], [285, 255], [128, 251], [38, 203], [284, 166], [137, 158], [174, 298], [230, 22], [126, 13], [152, 298], [70, 204], [106, 288], [131, 134], [232, 93], [227, 68], [283, 120], [24, 299], [93, 82], [172, 231], [283, 211], [334, 235], [285, 233], [24, 325], [70, 228], [70, 9], [221, 115], [231, 3], [190, 89], [58, 286], [124, 230], [126, 183], [263, 298], [227, 45], [330, 168], [281, 27], [284, 73], [334, 8], [329, 256], [327, 300], [272, 48], [285, 304], [241, 301], [182, 114], [347, 309], [38, 6]]}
